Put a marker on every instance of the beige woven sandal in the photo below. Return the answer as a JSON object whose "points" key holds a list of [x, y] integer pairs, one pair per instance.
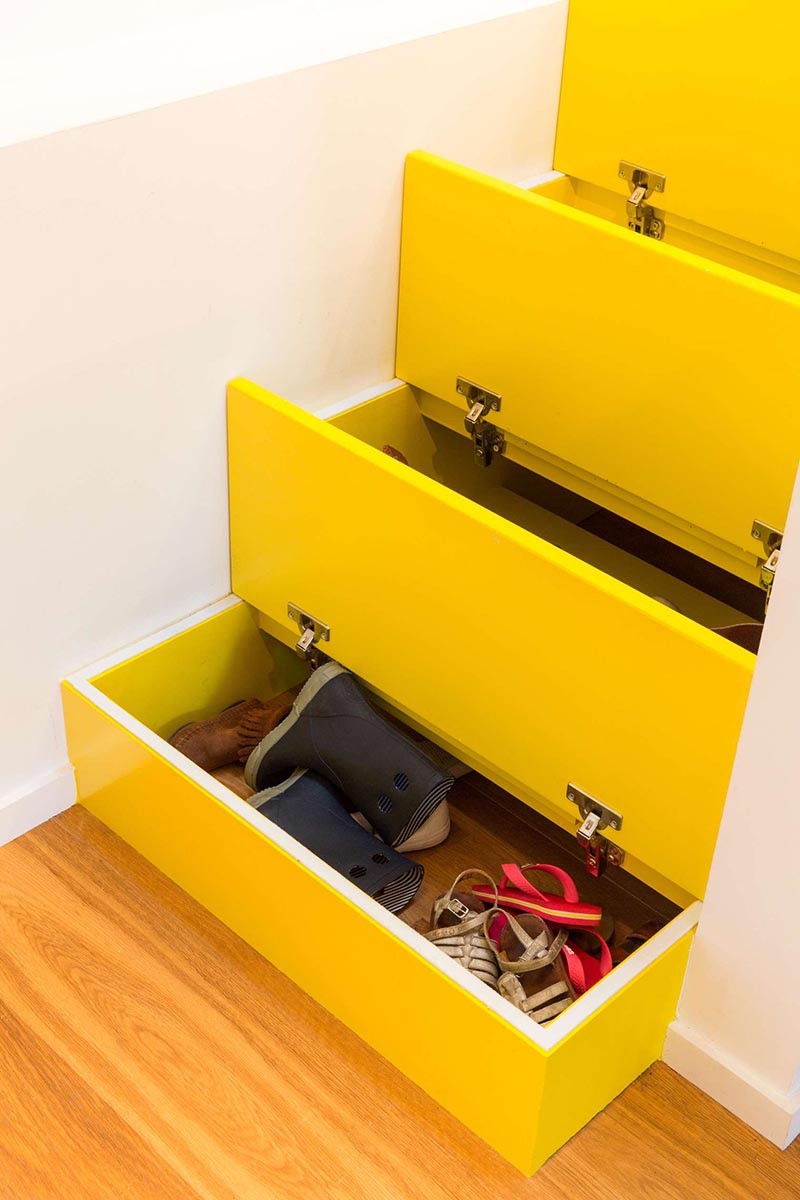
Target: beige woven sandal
{"points": [[534, 977], [458, 928]]}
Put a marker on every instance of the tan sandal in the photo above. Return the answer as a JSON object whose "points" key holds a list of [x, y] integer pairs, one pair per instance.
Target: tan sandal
{"points": [[534, 978], [458, 928]]}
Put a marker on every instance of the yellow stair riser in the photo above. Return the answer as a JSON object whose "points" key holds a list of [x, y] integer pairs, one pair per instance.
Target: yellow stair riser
{"points": [[491, 636], [657, 374], [705, 94]]}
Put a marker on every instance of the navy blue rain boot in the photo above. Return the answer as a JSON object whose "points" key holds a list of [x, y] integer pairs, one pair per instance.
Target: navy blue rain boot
{"points": [[335, 732], [310, 809]]}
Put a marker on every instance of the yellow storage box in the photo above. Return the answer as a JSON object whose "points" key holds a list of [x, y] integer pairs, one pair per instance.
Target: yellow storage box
{"points": [[265, 886]]}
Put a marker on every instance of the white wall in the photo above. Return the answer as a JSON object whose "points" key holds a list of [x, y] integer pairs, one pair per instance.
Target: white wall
{"points": [[738, 1029], [147, 260], [63, 65]]}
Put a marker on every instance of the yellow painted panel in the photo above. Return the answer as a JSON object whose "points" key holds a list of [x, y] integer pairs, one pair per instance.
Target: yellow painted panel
{"points": [[555, 813], [211, 665], [440, 449], [659, 373], [678, 231], [707, 94], [634, 1022], [245, 879], [585, 486], [485, 632]]}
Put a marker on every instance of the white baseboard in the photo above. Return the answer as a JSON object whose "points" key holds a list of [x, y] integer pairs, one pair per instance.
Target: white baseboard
{"points": [[36, 802], [773, 1114]]}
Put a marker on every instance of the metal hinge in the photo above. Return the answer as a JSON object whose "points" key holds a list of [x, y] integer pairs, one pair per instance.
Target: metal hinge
{"points": [[641, 216], [771, 542], [487, 440], [600, 853], [312, 631]]}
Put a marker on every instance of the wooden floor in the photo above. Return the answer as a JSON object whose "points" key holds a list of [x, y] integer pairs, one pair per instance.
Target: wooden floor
{"points": [[146, 1052]]}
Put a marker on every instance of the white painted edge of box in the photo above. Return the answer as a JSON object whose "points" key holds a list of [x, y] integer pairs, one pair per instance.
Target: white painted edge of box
{"points": [[538, 180], [371, 393], [773, 1114], [546, 1039], [36, 802]]}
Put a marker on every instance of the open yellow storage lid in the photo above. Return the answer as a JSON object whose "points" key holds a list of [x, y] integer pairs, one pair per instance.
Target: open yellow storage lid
{"points": [[704, 92], [654, 382]]}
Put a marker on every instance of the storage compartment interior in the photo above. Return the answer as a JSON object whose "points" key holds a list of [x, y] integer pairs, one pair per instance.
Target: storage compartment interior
{"points": [[490, 827], [678, 231], [624, 369], [650, 564], [218, 662]]}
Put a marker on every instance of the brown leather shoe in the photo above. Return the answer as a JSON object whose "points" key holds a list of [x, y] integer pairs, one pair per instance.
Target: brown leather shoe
{"points": [[232, 735], [396, 454], [747, 635]]}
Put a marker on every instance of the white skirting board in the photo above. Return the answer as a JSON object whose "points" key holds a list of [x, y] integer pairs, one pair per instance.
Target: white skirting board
{"points": [[771, 1113], [36, 802]]}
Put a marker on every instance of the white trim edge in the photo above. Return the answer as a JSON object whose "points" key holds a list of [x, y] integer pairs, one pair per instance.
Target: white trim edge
{"points": [[344, 405], [36, 802], [538, 180], [773, 1114]]}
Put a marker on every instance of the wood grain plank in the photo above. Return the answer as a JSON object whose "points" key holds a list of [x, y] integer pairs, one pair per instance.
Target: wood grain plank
{"points": [[52, 1124], [131, 1013]]}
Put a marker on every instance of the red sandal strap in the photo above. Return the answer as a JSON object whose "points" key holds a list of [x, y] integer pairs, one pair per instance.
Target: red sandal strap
{"points": [[517, 891], [585, 969], [516, 876]]}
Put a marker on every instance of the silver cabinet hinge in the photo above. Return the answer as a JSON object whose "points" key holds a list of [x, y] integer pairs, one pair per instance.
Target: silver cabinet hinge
{"points": [[312, 631], [600, 853], [771, 542], [487, 440], [641, 217]]}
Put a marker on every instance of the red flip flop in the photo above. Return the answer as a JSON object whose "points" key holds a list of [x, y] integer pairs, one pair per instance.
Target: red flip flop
{"points": [[584, 968], [517, 891]]}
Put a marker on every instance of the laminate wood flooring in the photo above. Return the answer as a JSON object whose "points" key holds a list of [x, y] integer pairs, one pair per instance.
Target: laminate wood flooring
{"points": [[147, 1053]]}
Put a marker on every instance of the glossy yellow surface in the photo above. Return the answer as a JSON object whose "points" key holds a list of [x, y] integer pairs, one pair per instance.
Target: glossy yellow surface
{"points": [[678, 231], [490, 636], [658, 373], [523, 1101], [706, 93], [223, 661], [598, 494]]}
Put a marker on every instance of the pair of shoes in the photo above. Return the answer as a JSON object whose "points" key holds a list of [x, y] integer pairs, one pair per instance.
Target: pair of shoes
{"points": [[333, 731], [540, 960], [520, 959], [333, 753], [322, 753]]}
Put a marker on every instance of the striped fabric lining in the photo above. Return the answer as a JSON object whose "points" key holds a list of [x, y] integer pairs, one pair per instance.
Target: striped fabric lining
{"points": [[402, 890], [431, 802]]}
